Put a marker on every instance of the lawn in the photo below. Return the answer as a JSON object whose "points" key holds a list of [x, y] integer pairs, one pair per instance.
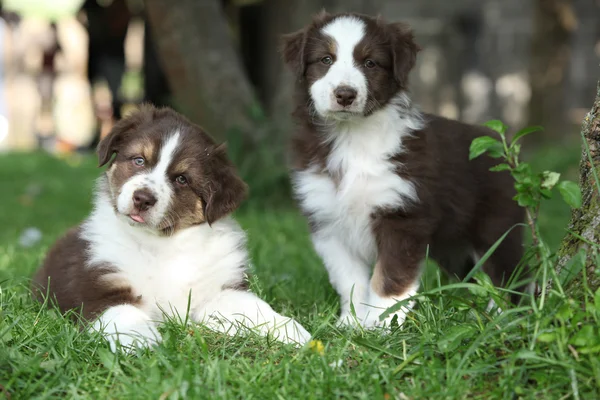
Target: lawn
{"points": [[448, 348]]}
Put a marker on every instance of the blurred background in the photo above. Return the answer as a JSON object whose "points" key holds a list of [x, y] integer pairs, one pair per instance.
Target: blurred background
{"points": [[70, 68]]}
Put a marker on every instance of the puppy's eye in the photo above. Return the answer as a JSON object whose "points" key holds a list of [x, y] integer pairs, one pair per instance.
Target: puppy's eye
{"points": [[139, 161], [181, 180], [370, 64], [327, 60]]}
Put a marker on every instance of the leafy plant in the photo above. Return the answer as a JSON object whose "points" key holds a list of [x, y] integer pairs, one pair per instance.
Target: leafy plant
{"points": [[532, 187]]}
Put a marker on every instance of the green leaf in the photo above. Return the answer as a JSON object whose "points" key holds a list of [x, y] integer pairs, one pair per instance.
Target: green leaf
{"points": [[525, 200], [525, 354], [546, 193], [108, 359], [454, 337], [497, 125], [549, 179], [524, 132], [573, 267], [496, 151], [522, 171], [6, 336], [522, 187], [571, 193], [585, 337], [597, 300], [589, 350], [565, 312], [482, 144], [500, 167], [548, 337]]}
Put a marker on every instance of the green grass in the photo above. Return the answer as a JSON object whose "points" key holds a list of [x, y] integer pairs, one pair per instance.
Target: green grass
{"points": [[448, 348]]}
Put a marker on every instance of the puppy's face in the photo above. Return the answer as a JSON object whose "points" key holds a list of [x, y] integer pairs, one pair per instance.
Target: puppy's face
{"points": [[350, 64], [168, 174]]}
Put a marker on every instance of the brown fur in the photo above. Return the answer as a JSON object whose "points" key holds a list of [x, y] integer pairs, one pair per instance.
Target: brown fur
{"points": [[463, 207], [72, 286]]}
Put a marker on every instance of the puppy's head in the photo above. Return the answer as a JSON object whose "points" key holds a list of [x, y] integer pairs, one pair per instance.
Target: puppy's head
{"points": [[350, 64], [168, 174]]}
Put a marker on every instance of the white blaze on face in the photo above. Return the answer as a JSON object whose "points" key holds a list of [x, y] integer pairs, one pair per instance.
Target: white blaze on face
{"points": [[156, 181], [346, 32]]}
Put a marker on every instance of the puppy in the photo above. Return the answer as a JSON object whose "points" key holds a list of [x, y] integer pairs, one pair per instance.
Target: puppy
{"points": [[160, 239], [382, 183]]}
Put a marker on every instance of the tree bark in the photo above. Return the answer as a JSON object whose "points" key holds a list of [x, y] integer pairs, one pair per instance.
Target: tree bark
{"points": [[585, 222], [203, 67], [554, 21]]}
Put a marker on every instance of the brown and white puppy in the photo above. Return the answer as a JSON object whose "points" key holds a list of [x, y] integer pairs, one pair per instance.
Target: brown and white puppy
{"points": [[160, 236], [378, 180]]}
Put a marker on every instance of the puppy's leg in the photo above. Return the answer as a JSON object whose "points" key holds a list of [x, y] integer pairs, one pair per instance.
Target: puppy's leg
{"points": [[127, 325], [348, 274], [397, 271], [233, 309]]}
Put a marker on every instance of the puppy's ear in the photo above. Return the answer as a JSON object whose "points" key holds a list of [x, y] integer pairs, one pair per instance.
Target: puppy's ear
{"points": [[404, 51], [293, 45], [126, 126], [225, 190], [292, 51]]}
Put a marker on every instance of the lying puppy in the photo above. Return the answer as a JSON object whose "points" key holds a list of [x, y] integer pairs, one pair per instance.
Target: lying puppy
{"points": [[160, 235], [379, 181]]}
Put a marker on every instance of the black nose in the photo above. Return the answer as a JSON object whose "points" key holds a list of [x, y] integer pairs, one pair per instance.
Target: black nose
{"points": [[143, 199], [345, 95]]}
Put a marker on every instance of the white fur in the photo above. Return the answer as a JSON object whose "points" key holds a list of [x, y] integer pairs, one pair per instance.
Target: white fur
{"points": [[127, 325], [156, 181], [234, 309], [378, 304], [347, 32], [360, 154], [171, 273]]}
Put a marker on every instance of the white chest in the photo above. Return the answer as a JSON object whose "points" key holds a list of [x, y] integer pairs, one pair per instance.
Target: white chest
{"points": [[164, 278], [366, 181], [169, 273]]}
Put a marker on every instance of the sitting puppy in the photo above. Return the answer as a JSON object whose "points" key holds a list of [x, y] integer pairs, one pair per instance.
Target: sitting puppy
{"points": [[160, 235], [381, 183]]}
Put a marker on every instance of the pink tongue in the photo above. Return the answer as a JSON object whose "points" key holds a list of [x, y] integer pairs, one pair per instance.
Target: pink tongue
{"points": [[137, 218]]}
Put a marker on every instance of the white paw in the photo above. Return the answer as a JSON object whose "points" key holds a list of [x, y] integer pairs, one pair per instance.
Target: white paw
{"points": [[291, 333], [348, 319], [372, 320], [127, 326], [141, 336]]}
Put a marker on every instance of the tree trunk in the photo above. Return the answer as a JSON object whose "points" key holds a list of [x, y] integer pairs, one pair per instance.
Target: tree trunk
{"points": [[585, 222], [203, 67], [554, 20]]}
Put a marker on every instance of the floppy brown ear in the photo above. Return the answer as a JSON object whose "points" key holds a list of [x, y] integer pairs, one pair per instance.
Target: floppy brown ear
{"points": [[292, 45], [225, 190], [111, 143], [292, 51], [404, 50]]}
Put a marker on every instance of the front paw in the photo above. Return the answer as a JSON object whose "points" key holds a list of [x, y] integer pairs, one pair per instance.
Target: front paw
{"points": [[292, 333], [128, 326], [127, 340], [373, 321], [347, 320]]}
